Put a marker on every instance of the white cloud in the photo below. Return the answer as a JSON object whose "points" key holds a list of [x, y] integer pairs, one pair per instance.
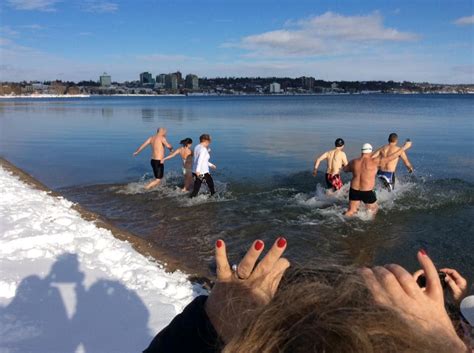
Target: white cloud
{"points": [[33, 27], [465, 21], [8, 31], [41, 5], [97, 6], [329, 33]]}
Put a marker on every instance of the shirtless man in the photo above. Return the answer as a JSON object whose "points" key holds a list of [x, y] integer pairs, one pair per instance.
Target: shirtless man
{"points": [[364, 169], [158, 143], [336, 160], [387, 170]]}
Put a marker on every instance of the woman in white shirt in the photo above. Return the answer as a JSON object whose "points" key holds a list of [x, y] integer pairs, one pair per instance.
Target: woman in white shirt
{"points": [[201, 166]]}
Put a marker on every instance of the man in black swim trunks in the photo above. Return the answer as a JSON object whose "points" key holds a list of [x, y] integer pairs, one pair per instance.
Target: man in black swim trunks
{"points": [[158, 143], [364, 170]]}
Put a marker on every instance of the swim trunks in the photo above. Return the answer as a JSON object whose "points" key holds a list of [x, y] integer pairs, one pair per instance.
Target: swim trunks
{"points": [[333, 181], [367, 197], [158, 168], [387, 178]]}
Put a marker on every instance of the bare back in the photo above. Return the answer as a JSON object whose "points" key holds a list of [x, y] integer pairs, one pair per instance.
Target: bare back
{"points": [[336, 160], [187, 156], [364, 170], [158, 143], [385, 151]]}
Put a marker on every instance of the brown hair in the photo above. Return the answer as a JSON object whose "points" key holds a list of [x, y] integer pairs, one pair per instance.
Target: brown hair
{"points": [[204, 137], [393, 137], [330, 311]]}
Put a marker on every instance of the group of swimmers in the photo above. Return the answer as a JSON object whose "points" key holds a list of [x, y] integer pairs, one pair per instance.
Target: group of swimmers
{"points": [[380, 163], [196, 163]]}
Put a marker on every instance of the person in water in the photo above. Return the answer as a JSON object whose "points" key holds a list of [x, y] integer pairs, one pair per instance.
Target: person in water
{"points": [[201, 166], [186, 154], [364, 170], [158, 143], [386, 173], [337, 159]]}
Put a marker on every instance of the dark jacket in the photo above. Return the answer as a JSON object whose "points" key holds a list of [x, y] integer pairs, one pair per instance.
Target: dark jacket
{"points": [[189, 332]]}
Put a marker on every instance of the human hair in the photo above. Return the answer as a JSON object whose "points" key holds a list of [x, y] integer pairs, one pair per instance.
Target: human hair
{"points": [[330, 310], [186, 141], [204, 137], [393, 137]]}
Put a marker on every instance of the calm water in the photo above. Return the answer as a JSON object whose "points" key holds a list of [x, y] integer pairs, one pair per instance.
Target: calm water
{"points": [[264, 148]]}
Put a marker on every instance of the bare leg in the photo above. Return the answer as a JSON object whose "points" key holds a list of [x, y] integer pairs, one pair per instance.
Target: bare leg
{"points": [[152, 184], [188, 182], [373, 208], [353, 208]]}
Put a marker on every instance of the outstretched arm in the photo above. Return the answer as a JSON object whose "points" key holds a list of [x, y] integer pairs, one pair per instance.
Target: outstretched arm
{"points": [[172, 155], [377, 152], [139, 149], [318, 161], [405, 160], [394, 155]]}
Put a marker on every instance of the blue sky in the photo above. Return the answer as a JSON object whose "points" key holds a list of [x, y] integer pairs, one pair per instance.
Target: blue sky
{"points": [[413, 40]]}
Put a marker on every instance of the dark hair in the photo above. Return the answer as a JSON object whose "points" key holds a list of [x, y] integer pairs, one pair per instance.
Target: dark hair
{"points": [[339, 142], [204, 137], [393, 137], [186, 141]]}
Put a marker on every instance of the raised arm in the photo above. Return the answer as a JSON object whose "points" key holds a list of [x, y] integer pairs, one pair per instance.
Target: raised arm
{"points": [[377, 152], [394, 155], [318, 161], [405, 160], [172, 155], [139, 149]]}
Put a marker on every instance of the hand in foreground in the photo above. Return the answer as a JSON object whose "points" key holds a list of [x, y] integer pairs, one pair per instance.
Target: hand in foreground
{"points": [[392, 286], [237, 295]]}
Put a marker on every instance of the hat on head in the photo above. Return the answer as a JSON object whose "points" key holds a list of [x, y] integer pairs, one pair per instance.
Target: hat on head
{"points": [[366, 148], [339, 142], [467, 309]]}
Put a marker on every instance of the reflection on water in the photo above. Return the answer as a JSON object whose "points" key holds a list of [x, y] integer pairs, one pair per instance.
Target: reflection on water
{"points": [[264, 148]]}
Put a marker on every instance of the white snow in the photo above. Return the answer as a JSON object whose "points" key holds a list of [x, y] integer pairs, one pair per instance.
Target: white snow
{"points": [[68, 286]]}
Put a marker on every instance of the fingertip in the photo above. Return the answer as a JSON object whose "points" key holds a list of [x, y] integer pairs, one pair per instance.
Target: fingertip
{"points": [[281, 242], [258, 245], [219, 243]]}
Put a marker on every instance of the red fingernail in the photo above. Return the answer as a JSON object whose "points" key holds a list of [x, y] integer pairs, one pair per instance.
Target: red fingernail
{"points": [[281, 242], [219, 243], [423, 252], [258, 245]]}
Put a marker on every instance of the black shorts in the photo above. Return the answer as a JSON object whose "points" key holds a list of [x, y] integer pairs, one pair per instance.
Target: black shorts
{"points": [[368, 197], [158, 168]]}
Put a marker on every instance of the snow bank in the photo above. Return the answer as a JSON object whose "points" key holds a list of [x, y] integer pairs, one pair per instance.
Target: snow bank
{"points": [[69, 286]]}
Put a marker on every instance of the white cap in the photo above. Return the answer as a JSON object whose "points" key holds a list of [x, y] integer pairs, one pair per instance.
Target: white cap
{"points": [[366, 148], [467, 309]]}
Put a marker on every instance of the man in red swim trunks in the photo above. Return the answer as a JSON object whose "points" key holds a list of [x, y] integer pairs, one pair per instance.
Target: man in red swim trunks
{"points": [[337, 159]]}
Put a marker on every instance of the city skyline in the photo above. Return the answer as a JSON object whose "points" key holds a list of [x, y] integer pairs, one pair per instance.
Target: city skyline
{"points": [[347, 40]]}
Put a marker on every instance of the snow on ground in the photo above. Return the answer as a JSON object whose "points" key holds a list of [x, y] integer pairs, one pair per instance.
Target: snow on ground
{"points": [[69, 286]]}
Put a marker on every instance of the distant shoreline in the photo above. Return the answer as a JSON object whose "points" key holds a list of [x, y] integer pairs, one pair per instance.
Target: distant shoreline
{"points": [[65, 96]]}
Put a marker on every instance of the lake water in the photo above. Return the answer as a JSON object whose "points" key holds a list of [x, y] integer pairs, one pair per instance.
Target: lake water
{"points": [[264, 148]]}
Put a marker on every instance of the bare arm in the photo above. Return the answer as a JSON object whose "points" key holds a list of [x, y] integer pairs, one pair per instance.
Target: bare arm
{"points": [[348, 167], [139, 149], [377, 152], [318, 161], [172, 155], [167, 144], [344, 159], [394, 155], [405, 160]]}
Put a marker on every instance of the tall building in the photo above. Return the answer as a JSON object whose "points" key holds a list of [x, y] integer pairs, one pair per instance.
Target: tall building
{"points": [[192, 82], [161, 80], [179, 77], [308, 83], [171, 82], [105, 80], [275, 87], [146, 78]]}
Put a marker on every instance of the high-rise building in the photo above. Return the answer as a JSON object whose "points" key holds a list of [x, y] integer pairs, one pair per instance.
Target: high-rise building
{"points": [[146, 78], [105, 80], [171, 82], [179, 77], [192, 82], [308, 83], [161, 79], [275, 87]]}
